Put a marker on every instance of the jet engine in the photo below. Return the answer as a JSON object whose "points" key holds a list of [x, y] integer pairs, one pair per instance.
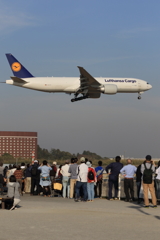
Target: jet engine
{"points": [[109, 89]]}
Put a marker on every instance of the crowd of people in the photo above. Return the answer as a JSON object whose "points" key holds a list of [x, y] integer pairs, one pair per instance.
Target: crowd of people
{"points": [[81, 182]]}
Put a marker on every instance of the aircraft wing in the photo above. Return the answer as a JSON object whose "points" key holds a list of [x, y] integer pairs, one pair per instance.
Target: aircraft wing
{"points": [[85, 77], [88, 84], [18, 80]]}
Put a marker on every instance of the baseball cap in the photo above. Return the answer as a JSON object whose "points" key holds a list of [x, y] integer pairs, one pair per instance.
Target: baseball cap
{"points": [[82, 159]]}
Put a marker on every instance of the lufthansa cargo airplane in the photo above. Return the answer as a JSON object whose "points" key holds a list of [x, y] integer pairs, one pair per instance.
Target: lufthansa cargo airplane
{"points": [[86, 85]]}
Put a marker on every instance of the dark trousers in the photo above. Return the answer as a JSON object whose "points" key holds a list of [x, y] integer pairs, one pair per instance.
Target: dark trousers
{"points": [[157, 181], [46, 190], [22, 185], [99, 187], [9, 203], [84, 188], [1, 184], [138, 189], [111, 184], [35, 183], [128, 185]]}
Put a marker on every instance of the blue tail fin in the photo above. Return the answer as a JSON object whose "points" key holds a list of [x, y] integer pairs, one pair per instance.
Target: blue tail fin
{"points": [[17, 68]]}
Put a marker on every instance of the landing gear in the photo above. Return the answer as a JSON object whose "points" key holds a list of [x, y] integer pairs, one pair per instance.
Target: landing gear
{"points": [[139, 96], [78, 98]]}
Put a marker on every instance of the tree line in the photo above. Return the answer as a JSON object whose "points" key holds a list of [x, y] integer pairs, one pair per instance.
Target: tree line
{"points": [[52, 155], [61, 156], [57, 154]]}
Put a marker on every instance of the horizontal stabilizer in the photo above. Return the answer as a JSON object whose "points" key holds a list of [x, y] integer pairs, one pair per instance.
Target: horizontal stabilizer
{"points": [[18, 80]]}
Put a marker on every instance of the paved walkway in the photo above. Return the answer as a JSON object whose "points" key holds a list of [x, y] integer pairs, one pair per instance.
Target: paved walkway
{"points": [[63, 219]]}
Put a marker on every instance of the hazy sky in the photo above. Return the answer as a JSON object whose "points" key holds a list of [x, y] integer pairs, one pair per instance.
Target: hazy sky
{"points": [[109, 38]]}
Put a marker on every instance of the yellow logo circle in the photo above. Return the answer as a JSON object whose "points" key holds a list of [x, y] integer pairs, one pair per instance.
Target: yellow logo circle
{"points": [[16, 66]]}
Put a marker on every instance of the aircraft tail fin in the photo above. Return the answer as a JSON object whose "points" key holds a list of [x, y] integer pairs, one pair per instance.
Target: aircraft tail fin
{"points": [[17, 68]]}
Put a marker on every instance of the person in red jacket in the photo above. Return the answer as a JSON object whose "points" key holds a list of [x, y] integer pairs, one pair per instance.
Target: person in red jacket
{"points": [[91, 180]]}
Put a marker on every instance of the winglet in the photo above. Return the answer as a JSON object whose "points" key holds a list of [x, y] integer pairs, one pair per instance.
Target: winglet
{"points": [[17, 68]]}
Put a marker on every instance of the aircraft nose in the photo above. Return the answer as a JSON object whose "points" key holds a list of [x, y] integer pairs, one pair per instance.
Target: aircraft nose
{"points": [[149, 86]]}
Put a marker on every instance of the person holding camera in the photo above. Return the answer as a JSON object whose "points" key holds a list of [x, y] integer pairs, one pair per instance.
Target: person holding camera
{"points": [[45, 181]]}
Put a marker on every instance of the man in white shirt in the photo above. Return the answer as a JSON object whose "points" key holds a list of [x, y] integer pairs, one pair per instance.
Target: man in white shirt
{"points": [[128, 171], [82, 173], [65, 179]]}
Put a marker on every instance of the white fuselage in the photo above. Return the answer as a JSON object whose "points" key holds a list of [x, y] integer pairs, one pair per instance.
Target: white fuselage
{"points": [[72, 84]]}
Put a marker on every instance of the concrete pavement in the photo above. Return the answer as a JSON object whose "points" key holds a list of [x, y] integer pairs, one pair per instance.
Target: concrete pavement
{"points": [[58, 218]]}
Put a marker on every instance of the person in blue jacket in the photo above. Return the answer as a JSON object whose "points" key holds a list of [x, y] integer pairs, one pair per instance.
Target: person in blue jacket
{"points": [[45, 180], [114, 168]]}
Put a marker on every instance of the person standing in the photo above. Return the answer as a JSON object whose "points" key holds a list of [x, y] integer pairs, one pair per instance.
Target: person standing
{"points": [[19, 174], [82, 173], [1, 177], [52, 176], [138, 182], [99, 174], [65, 178], [58, 179], [157, 181], [148, 170], [13, 169], [23, 168], [73, 171], [35, 178], [91, 179], [1, 168], [5, 171], [45, 180], [114, 168], [1, 184], [9, 172], [53, 171], [128, 172], [27, 179]]}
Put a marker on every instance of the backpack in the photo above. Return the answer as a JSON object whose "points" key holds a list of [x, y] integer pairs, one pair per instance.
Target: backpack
{"points": [[34, 171], [147, 175], [100, 175], [90, 175]]}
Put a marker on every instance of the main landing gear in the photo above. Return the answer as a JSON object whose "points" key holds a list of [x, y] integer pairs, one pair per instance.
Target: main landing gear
{"points": [[78, 98], [139, 96]]}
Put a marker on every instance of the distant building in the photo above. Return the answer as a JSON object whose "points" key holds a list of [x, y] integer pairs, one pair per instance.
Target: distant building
{"points": [[18, 144]]}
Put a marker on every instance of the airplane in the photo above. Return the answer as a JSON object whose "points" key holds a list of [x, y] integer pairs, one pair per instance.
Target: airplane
{"points": [[86, 85]]}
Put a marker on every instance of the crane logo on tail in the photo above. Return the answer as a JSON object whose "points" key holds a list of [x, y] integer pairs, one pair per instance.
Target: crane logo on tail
{"points": [[16, 66]]}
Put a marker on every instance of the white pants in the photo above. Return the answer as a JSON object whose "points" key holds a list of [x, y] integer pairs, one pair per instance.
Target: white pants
{"points": [[16, 201]]}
